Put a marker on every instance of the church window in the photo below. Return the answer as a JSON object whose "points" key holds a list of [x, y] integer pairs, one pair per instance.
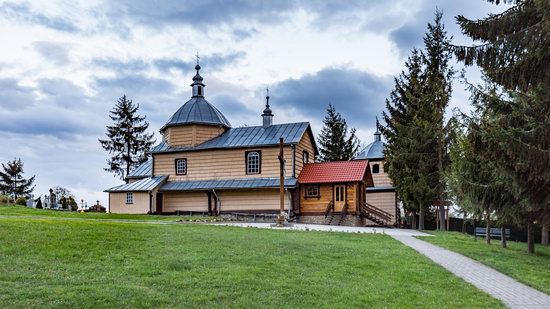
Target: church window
{"points": [[312, 191], [129, 197], [305, 157], [181, 166], [376, 168], [253, 162]]}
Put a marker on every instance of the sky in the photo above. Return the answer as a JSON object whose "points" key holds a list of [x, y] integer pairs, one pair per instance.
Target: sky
{"points": [[63, 65]]}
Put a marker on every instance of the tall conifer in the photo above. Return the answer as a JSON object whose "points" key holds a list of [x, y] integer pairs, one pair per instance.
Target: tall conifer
{"points": [[128, 142], [334, 141], [12, 181]]}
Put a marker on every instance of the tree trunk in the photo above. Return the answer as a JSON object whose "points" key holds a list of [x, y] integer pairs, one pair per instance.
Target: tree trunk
{"points": [[530, 236], [441, 188], [422, 215], [413, 221], [488, 227], [503, 237], [545, 234]]}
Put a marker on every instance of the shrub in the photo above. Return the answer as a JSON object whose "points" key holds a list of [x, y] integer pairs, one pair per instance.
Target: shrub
{"points": [[39, 203], [4, 199], [21, 201], [73, 204]]}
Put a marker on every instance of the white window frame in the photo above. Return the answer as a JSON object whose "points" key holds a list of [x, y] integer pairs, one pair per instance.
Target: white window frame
{"points": [[129, 198], [253, 162], [181, 166]]}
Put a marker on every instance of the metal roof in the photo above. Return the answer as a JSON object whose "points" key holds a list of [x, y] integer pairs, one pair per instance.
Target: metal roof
{"points": [[249, 137], [381, 188], [227, 184], [374, 150], [143, 185], [145, 169], [334, 172], [197, 111]]}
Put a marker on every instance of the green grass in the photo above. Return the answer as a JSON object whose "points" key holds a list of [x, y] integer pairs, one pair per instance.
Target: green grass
{"points": [[94, 264], [533, 270], [16, 210]]}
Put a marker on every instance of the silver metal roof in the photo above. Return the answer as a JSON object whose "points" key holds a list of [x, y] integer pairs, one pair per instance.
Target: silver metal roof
{"points": [[145, 169], [381, 188], [249, 137], [143, 185], [374, 150], [249, 183], [197, 111]]}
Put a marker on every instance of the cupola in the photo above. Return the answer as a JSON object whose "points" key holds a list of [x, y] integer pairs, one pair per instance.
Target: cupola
{"points": [[268, 114], [374, 150]]}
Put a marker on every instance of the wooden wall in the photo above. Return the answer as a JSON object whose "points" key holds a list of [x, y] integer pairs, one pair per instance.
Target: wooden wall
{"points": [[305, 144], [383, 200], [191, 135], [381, 178], [231, 201], [117, 203], [317, 206], [221, 164]]}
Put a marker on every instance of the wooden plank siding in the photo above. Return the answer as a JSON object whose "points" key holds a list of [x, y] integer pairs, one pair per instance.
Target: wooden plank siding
{"points": [[305, 144], [185, 201], [191, 135], [383, 200], [117, 203], [318, 205], [382, 178], [221, 164]]}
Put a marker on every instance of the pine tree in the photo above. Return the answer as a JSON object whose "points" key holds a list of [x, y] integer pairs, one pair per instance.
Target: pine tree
{"points": [[515, 55], [12, 181], [335, 143], [128, 141], [437, 90]]}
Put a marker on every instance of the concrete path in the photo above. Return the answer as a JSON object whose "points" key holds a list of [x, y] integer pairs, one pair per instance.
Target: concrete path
{"points": [[329, 228], [511, 292]]}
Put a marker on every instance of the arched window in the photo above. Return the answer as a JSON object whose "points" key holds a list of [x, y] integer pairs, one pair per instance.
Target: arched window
{"points": [[376, 168], [305, 157], [181, 166], [253, 162]]}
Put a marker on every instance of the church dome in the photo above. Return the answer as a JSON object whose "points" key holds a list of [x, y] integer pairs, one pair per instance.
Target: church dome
{"points": [[374, 150], [197, 111]]}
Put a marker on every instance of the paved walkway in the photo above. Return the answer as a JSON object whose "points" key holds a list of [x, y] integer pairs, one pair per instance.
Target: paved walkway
{"points": [[329, 228], [511, 292]]}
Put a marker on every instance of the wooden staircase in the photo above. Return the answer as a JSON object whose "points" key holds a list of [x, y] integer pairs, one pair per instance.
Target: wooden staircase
{"points": [[376, 214], [333, 218]]}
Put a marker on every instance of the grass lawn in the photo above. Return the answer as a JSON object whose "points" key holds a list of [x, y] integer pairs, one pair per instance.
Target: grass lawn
{"points": [[533, 270], [54, 263], [16, 210]]}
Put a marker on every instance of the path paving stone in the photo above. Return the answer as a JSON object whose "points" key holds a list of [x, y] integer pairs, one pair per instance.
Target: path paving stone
{"points": [[511, 292]]}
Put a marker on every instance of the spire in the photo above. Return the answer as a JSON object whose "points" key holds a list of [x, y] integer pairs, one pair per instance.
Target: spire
{"points": [[268, 114], [377, 135], [198, 86]]}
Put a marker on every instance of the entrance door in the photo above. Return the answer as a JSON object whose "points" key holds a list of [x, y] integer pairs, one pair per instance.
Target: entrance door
{"points": [[339, 197], [159, 203]]}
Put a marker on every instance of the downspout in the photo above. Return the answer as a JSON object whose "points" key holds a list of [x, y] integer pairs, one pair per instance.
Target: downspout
{"points": [[293, 147], [218, 203]]}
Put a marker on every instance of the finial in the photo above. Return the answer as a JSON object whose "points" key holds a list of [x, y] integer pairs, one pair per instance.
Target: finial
{"points": [[267, 97], [377, 133], [377, 124], [197, 67]]}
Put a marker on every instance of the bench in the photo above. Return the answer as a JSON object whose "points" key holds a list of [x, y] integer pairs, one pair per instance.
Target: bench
{"points": [[494, 233]]}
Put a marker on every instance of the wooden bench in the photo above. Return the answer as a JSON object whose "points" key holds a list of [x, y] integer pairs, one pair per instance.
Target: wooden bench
{"points": [[494, 233]]}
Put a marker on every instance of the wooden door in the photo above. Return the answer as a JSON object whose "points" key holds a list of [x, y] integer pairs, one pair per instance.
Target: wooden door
{"points": [[339, 197], [159, 203]]}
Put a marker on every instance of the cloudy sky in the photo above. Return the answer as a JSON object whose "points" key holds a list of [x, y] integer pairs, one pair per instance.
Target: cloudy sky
{"points": [[63, 64]]}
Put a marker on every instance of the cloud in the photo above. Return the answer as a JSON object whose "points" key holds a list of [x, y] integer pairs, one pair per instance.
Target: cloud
{"points": [[121, 65], [53, 52], [357, 95], [213, 62], [21, 11], [134, 84], [13, 96]]}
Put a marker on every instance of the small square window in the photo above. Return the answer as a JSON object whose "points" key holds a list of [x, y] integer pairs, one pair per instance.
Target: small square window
{"points": [[376, 168], [129, 197], [181, 166], [312, 191]]}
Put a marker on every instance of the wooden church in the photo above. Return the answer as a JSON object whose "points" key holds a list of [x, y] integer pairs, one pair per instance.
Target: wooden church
{"points": [[204, 165]]}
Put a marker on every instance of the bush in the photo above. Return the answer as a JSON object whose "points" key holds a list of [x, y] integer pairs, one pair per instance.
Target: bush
{"points": [[39, 203], [21, 201], [4, 199], [73, 204]]}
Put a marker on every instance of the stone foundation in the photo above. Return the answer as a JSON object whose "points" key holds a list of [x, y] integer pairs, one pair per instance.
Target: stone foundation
{"points": [[349, 220]]}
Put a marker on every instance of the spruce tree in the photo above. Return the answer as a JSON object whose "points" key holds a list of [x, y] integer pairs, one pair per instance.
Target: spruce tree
{"points": [[334, 141], [128, 142], [12, 181], [514, 54]]}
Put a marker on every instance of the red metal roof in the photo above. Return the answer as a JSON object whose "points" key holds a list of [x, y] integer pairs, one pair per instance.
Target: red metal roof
{"points": [[329, 172]]}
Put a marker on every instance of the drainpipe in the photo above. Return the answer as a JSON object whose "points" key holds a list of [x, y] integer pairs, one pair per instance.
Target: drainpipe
{"points": [[293, 147], [218, 202]]}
